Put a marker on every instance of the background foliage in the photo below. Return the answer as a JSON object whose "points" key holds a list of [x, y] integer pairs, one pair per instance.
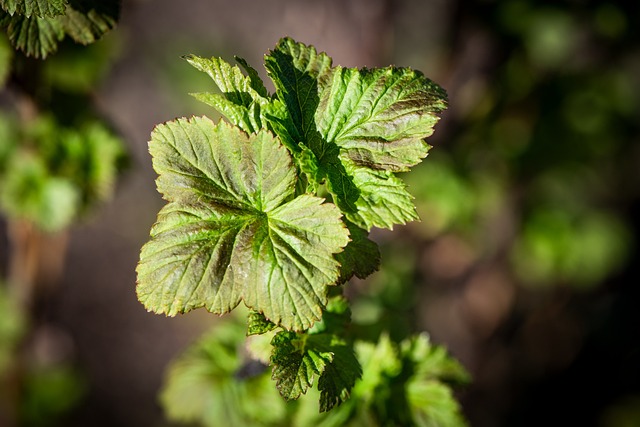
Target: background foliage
{"points": [[525, 263]]}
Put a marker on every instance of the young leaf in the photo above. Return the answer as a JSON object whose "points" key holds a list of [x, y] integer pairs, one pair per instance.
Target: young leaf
{"points": [[296, 363], [38, 8], [258, 324], [361, 125], [232, 231], [431, 361], [321, 351], [256, 82], [242, 96], [297, 72], [383, 199], [298, 359], [360, 257]]}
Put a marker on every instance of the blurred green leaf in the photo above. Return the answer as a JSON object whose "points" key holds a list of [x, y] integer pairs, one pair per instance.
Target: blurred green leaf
{"points": [[38, 34], [30, 192], [12, 327], [50, 393], [6, 55], [242, 99], [9, 137], [78, 69], [55, 174], [86, 21], [558, 247], [203, 385]]}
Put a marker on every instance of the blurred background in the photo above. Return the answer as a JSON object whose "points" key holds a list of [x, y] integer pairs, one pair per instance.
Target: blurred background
{"points": [[525, 264]]}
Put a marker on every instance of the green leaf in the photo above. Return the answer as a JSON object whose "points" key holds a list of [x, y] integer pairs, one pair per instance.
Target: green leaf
{"points": [[102, 156], [258, 324], [40, 8], [360, 258], [31, 193], [431, 361], [203, 385], [35, 36], [38, 36], [429, 397], [298, 71], [383, 201], [87, 21], [296, 363], [298, 359], [321, 351], [360, 125], [407, 384], [54, 174], [336, 316], [87, 155], [380, 362], [256, 82], [6, 55], [339, 377], [380, 118], [232, 231], [295, 70], [432, 404], [242, 96]]}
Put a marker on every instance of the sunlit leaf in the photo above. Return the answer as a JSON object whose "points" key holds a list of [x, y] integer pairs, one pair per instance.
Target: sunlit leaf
{"points": [[360, 125], [242, 96], [232, 231]]}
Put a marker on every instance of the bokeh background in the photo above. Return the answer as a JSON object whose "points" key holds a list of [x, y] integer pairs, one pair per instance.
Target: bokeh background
{"points": [[525, 264]]}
